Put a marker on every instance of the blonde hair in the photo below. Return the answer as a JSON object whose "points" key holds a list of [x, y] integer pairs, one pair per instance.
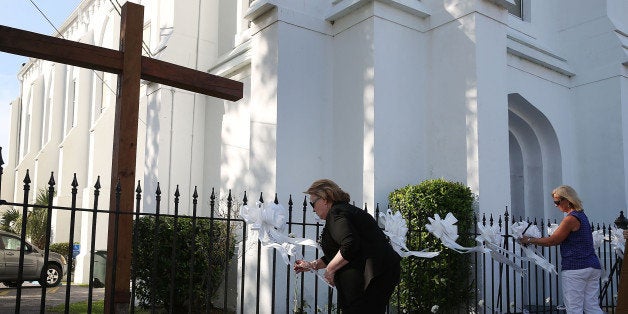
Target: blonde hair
{"points": [[568, 193], [328, 190]]}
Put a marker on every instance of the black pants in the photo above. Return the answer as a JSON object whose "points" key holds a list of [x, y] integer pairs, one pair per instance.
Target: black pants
{"points": [[354, 299]]}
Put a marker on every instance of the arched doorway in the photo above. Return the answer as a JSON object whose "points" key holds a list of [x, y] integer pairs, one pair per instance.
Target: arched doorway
{"points": [[535, 159]]}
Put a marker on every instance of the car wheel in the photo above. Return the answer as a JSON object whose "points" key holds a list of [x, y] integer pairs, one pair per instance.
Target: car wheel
{"points": [[11, 284], [51, 276]]}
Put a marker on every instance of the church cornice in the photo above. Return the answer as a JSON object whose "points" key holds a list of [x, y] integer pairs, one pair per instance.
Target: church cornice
{"points": [[342, 8], [534, 53], [233, 61]]}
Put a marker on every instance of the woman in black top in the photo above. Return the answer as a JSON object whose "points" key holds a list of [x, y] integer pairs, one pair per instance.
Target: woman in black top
{"points": [[358, 258]]}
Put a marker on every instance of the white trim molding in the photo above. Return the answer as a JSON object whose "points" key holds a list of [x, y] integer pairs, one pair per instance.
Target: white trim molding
{"points": [[342, 8], [535, 54]]}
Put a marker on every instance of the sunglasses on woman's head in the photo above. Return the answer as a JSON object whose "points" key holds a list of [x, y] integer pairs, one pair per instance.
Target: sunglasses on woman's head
{"points": [[558, 202]]}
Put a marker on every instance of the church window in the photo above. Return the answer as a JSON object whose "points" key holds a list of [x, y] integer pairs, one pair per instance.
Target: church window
{"points": [[516, 9], [70, 119], [45, 121]]}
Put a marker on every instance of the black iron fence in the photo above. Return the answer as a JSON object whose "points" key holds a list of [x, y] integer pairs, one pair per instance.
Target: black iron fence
{"points": [[206, 261]]}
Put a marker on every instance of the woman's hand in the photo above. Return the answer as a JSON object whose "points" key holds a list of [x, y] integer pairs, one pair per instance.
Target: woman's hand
{"points": [[525, 240], [302, 266], [329, 277]]}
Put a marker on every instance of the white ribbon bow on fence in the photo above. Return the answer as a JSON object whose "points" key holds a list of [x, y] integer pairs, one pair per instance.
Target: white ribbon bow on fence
{"points": [[395, 228], [269, 221], [493, 240], [618, 243], [617, 240], [447, 232], [519, 229]]}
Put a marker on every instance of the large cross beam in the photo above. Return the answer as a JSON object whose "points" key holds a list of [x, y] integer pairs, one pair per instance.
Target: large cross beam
{"points": [[131, 66]]}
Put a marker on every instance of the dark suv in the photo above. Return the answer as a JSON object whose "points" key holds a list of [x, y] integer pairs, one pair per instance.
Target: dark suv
{"points": [[49, 274]]}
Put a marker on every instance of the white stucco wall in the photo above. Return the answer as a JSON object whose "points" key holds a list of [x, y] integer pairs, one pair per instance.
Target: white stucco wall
{"points": [[396, 152]]}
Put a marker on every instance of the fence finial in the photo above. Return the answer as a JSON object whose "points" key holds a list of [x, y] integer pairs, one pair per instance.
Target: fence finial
{"points": [[621, 222], [27, 178], [51, 181], [74, 182]]}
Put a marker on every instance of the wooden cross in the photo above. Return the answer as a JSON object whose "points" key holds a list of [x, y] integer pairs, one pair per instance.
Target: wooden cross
{"points": [[131, 66]]}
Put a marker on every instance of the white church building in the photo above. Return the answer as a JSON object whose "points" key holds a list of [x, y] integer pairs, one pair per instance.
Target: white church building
{"points": [[510, 97]]}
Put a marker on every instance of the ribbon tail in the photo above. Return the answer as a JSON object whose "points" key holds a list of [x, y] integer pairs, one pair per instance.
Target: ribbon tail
{"points": [[461, 249], [419, 254], [506, 261], [539, 260], [321, 277], [403, 251], [303, 241]]}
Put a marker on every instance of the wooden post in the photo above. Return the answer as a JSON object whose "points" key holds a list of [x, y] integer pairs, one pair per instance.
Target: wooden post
{"points": [[119, 244], [622, 290]]}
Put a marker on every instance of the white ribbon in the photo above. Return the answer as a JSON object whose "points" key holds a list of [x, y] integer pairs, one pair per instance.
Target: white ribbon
{"points": [[598, 239], [447, 232], [532, 255], [492, 240], [551, 228], [618, 243], [395, 228], [617, 240], [269, 221]]}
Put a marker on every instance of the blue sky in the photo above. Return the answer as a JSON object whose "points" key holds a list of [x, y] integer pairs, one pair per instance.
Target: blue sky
{"points": [[23, 14]]}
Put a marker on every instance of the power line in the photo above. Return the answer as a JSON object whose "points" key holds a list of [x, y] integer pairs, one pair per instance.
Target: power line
{"points": [[117, 7], [61, 35]]}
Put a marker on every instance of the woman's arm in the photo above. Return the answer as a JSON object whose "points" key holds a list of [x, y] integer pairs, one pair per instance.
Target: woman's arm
{"points": [[336, 263], [569, 224], [302, 266]]}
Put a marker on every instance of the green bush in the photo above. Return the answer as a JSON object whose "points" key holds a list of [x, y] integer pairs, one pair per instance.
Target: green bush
{"points": [[61, 248], [445, 279], [211, 256]]}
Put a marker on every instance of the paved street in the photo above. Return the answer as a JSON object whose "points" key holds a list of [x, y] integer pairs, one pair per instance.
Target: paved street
{"points": [[31, 297]]}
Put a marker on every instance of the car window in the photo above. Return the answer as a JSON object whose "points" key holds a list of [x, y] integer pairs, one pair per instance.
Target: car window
{"points": [[11, 243]]}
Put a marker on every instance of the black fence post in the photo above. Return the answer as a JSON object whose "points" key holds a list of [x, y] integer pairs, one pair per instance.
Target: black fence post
{"points": [[135, 245], [71, 244], [118, 192], [244, 240], [212, 202], [92, 244], [228, 241], [193, 248], [173, 259], [20, 272], [155, 246], [51, 194], [259, 253]]}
